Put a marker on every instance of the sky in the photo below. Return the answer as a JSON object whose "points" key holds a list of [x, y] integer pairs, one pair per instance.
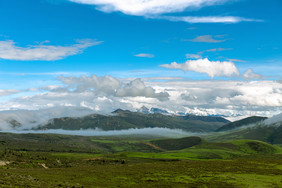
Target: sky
{"points": [[206, 57]]}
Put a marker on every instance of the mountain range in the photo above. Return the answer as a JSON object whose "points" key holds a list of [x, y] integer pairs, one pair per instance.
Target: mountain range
{"points": [[125, 119]]}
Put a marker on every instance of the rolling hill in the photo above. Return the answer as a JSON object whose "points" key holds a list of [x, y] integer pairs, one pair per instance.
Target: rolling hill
{"points": [[263, 131], [240, 123]]}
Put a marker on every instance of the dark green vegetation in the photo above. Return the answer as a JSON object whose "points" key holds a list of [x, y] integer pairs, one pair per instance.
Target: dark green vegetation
{"points": [[48, 160], [240, 123], [177, 144], [124, 119], [270, 134]]}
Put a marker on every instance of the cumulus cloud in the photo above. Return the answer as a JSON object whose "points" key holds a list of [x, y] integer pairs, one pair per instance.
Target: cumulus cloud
{"points": [[211, 68], [10, 51], [145, 55], [105, 84], [206, 39], [137, 88], [111, 86], [249, 75], [156, 8]]}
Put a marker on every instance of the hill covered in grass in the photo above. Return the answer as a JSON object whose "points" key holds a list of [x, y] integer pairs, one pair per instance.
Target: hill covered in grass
{"points": [[240, 123], [124, 119], [267, 133], [177, 144]]}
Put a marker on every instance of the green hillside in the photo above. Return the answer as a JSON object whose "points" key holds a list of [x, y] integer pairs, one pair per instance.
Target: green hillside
{"points": [[269, 134], [124, 119], [240, 123], [177, 144]]}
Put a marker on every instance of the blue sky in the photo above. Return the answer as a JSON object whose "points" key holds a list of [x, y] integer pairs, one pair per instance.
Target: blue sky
{"points": [[43, 39]]}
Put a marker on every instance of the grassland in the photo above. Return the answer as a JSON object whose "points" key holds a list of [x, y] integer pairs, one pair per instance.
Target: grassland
{"points": [[33, 160]]}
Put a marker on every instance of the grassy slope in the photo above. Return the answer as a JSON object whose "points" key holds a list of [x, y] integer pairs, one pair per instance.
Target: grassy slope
{"points": [[240, 123], [270, 134], [74, 144], [227, 150]]}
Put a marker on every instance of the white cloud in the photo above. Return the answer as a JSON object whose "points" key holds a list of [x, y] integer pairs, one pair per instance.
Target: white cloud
{"points": [[249, 75], [9, 50], [217, 49], [148, 7], [276, 120], [8, 92], [206, 38], [32, 118], [199, 54], [209, 19], [111, 87], [207, 97], [156, 8], [237, 60], [104, 84], [167, 78], [145, 55], [137, 88], [211, 68], [193, 56], [214, 50]]}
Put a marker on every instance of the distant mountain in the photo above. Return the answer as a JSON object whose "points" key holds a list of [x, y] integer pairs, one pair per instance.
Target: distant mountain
{"points": [[144, 110], [205, 118], [240, 123], [159, 111], [26, 119], [124, 119]]}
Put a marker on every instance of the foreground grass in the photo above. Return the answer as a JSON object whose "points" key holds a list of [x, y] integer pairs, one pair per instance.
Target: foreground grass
{"points": [[72, 161], [243, 172]]}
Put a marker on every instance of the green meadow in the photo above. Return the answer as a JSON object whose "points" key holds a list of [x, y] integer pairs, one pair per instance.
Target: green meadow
{"points": [[50, 160]]}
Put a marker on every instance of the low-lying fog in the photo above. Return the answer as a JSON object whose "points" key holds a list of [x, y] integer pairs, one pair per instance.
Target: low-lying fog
{"points": [[165, 132]]}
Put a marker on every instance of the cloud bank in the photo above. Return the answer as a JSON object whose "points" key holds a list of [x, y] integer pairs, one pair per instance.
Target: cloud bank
{"points": [[110, 86], [9, 50], [8, 92], [160, 132], [32, 118], [105, 94]]}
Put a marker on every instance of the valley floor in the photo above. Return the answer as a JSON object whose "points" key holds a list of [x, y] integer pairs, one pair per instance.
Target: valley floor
{"points": [[243, 163], [98, 172]]}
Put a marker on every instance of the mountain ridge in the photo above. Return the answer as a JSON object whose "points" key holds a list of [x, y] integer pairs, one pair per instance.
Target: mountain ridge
{"points": [[125, 119]]}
